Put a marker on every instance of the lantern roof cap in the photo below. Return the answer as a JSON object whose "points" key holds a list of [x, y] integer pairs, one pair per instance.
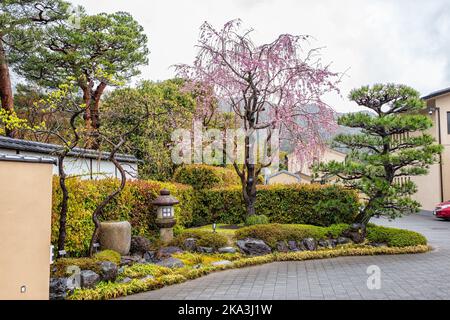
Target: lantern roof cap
{"points": [[165, 199]]}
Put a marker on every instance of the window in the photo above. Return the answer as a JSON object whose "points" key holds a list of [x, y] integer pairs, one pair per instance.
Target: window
{"points": [[448, 122], [167, 212]]}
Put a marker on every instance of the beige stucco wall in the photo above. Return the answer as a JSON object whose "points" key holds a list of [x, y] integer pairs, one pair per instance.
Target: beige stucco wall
{"points": [[305, 171], [429, 186], [283, 178], [25, 219]]}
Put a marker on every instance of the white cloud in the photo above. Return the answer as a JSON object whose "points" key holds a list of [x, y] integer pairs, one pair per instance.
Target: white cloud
{"points": [[376, 40]]}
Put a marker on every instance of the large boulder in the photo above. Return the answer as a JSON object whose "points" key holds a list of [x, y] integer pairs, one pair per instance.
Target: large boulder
{"points": [[139, 245], [310, 244], [171, 262], [115, 236], [108, 271], [166, 252], [89, 279], [227, 250], [254, 247]]}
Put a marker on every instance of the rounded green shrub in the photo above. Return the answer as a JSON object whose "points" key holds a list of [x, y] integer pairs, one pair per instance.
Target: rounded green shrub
{"points": [[204, 238], [256, 219], [394, 237], [201, 176], [108, 255], [272, 233]]}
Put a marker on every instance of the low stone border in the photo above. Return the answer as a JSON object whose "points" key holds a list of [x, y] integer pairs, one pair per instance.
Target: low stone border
{"points": [[106, 291]]}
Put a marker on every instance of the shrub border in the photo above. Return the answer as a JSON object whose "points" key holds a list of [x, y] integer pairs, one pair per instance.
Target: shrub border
{"points": [[116, 290]]}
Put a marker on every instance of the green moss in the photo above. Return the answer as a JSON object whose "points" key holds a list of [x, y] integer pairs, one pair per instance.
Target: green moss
{"points": [[108, 255]]}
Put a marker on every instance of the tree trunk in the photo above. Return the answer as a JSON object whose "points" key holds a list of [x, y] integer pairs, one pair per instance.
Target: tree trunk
{"points": [[95, 115], [64, 202], [6, 94], [99, 210]]}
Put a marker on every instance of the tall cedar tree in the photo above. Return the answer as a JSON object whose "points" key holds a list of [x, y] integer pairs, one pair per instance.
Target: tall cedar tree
{"points": [[392, 146]]}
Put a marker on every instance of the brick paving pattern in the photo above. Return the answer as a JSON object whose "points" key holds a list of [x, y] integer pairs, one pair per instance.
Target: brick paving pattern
{"points": [[419, 276]]}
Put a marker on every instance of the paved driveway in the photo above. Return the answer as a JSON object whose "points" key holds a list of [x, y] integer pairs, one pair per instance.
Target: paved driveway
{"points": [[419, 276]]}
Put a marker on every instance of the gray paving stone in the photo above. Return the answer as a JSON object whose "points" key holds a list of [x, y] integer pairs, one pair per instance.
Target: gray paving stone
{"points": [[418, 276]]}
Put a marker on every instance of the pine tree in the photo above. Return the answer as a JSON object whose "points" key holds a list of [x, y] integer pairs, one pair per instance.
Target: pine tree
{"points": [[392, 146]]}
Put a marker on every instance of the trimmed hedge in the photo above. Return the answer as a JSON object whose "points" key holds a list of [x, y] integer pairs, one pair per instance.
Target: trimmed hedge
{"points": [[134, 204], [314, 204], [272, 233], [300, 204], [394, 237], [204, 238], [201, 176]]}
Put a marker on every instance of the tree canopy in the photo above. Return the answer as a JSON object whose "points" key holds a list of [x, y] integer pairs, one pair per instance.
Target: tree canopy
{"points": [[392, 146]]}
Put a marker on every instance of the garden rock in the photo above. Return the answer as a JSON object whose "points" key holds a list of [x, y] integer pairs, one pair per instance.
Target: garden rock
{"points": [[139, 245], [147, 277], [310, 244], [126, 280], [167, 252], [221, 263], [227, 250], [301, 246], [356, 232], [108, 271], [205, 249], [293, 246], [129, 260], [253, 247], [326, 244], [89, 279], [378, 244], [190, 244], [171, 262], [150, 257], [343, 240], [282, 247], [58, 288]]}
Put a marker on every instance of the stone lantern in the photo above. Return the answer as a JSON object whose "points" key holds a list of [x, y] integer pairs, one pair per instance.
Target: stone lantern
{"points": [[165, 218]]}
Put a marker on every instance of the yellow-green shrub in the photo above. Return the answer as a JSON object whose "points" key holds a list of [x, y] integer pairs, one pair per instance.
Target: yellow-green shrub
{"points": [[133, 204], [201, 176]]}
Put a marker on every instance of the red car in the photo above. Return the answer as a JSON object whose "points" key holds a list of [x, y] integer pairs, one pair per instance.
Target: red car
{"points": [[442, 210]]}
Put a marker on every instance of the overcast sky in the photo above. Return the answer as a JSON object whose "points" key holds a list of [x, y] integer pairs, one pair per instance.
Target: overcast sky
{"points": [[401, 41]]}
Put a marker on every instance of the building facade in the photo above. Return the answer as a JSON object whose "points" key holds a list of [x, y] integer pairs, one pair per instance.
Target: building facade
{"points": [[85, 163], [304, 170], [435, 187]]}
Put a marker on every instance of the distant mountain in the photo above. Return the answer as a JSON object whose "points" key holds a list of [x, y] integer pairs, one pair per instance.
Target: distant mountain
{"points": [[288, 147]]}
